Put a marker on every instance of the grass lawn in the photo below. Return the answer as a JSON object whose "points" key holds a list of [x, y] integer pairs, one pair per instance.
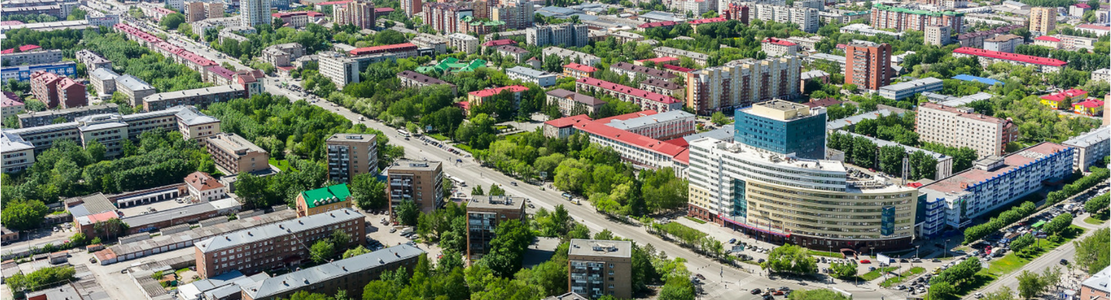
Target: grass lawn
{"points": [[282, 165], [877, 273], [438, 136], [1098, 218], [913, 271], [696, 220], [1011, 262], [826, 254], [464, 147]]}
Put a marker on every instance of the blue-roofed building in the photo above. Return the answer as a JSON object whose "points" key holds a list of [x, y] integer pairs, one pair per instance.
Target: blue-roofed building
{"points": [[23, 73], [987, 81]]}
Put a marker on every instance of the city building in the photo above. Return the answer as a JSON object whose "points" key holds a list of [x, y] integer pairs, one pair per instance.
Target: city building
{"points": [[358, 13], [782, 127], [193, 125], [275, 245], [463, 42], [1094, 29], [410, 79], [541, 78], [579, 71], [1043, 20], [632, 71], [938, 35], [55, 90], [300, 19], [864, 29], [637, 137], [322, 200], [645, 99], [600, 267], [662, 87], [283, 55], [33, 57], [903, 90], [254, 12], [517, 53], [517, 14], [476, 98], [96, 18], [987, 57], [741, 83], [571, 103], [92, 60], [484, 214], [42, 118], [201, 97], [807, 18], [23, 73], [417, 181], [901, 19], [571, 55], [204, 187], [868, 65], [351, 154], [1063, 99], [402, 50], [11, 106], [1095, 287], [134, 88], [961, 127], [412, 7], [698, 58], [216, 22], [1089, 107], [103, 81], [235, 154], [431, 44], [350, 275], [341, 69], [774, 47], [1003, 43], [1090, 147], [564, 35], [993, 182], [18, 153]]}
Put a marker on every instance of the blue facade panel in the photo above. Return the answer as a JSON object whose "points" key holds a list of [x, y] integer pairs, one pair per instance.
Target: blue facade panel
{"points": [[803, 136]]}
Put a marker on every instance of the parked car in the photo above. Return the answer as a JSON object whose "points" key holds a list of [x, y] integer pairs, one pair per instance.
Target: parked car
{"points": [[865, 261], [733, 241], [755, 291]]}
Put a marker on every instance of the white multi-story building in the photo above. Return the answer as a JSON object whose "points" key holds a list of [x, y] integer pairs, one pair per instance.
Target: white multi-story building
{"points": [[97, 18], [1090, 147], [574, 56], [254, 12], [937, 35], [1003, 43], [430, 42], [541, 78], [806, 18], [636, 148], [1102, 75], [774, 47], [341, 69], [104, 81], [566, 34], [907, 89], [961, 127], [993, 182], [742, 82], [463, 42], [18, 154]]}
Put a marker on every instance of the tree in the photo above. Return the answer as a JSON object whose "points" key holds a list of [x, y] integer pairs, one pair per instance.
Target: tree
{"points": [[111, 228], [843, 271], [1058, 225], [78, 239], [1020, 243], [477, 191], [677, 288], [1092, 252], [720, 119], [339, 239], [172, 21], [816, 294], [508, 247], [1097, 204], [321, 251], [407, 212], [496, 190], [1004, 293], [791, 259], [24, 215], [940, 290], [1030, 284], [360, 250], [369, 192]]}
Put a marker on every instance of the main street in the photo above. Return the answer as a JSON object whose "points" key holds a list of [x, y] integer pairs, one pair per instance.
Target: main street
{"points": [[723, 282]]}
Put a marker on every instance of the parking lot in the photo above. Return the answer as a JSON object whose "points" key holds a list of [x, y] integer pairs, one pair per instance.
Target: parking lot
{"points": [[380, 235]]}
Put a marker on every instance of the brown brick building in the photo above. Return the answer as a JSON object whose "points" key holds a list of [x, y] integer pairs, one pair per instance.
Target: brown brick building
{"points": [[868, 65], [419, 181], [236, 154], [351, 275], [350, 155], [484, 213], [599, 267]]}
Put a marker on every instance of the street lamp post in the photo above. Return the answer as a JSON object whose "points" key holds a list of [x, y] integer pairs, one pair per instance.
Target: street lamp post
{"points": [[915, 254]]}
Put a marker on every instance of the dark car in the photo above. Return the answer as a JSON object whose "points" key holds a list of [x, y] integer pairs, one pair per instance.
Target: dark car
{"points": [[1064, 262], [755, 291]]}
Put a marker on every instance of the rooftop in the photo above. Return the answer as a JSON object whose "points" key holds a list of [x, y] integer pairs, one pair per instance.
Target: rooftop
{"points": [[317, 275], [966, 180], [643, 70], [1099, 281], [1090, 103], [185, 94], [383, 48], [425, 79], [963, 113], [496, 202], [1066, 94], [202, 181], [144, 220], [621, 249], [1003, 38], [1047, 38], [580, 98], [660, 83], [706, 21], [642, 121], [1089, 138], [966, 77], [190, 116], [494, 91], [89, 204], [601, 128], [233, 142], [579, 67], [1010, 56], [326, 195], [780, 42], [13, 142], [344, 137], [628, 90], [104, 74], [412, 165], [847, 121], [512, 49], [912, 84], [269, 231], [133, 83], [530, 72], [502, 42]]}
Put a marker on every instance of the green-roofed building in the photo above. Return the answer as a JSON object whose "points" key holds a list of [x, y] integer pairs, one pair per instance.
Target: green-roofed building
{"points": [[323, 200], [452, 65]]}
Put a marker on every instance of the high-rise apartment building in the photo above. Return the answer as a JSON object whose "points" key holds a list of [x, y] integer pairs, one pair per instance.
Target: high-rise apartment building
{"points": [[901, 19], [275, 245], [358, 13], [194, 11], [418, 181], [961, 127], [868, 65], [1043, 19], [341, 69], [806, 18], [743, 82], [937, 35], [516, 15], [351, 154], [254, 12], [566, 35], [412, 7], [444, 16], [782, 127], [600, 267], [484, 214]]}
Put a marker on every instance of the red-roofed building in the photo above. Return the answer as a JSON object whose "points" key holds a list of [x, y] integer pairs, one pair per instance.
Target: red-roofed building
{"points": [[988, 57], [694, 23], [204, 187], [382, 11], [663, 24], [55, 90], [402, 50], [645, 99], [1048, 41], [477, 97], [677, 69], [86, 224], [1078, 10], [777, 47], [498, 43], [71, 93], [251, 80], [658, 61], [637, 149], [1094, 29], [1090, 107], [579, 71], [1063, 99]]}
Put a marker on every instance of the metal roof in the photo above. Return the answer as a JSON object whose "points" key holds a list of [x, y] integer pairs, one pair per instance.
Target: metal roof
{"points": [[255, 234], [133, 83], [302, 279]]}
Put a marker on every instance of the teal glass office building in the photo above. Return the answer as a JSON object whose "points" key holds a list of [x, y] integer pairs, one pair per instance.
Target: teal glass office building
{"points": [[803, 135]]}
